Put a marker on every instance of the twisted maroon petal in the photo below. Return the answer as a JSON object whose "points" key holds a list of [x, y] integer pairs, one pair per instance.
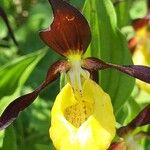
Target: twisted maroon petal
{"points": [[19, 104], [137, 71], [69, 32], [141, 119]]}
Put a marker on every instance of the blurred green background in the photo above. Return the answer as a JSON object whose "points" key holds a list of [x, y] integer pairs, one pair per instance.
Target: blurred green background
{"points": [[23, 68]]}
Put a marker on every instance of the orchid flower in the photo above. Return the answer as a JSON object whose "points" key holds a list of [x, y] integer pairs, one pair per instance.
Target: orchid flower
{"points": [[140, 44], [129, 137], [82, 114]]}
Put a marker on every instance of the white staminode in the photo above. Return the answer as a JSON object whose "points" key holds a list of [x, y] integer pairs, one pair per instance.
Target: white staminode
{"points": [[76, 73]]}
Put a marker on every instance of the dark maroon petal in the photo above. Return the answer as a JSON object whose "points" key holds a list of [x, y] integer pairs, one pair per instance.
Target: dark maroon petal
{"points": [[4, 17], [94, 75], [92, 63], [13, 109], [19, 104], [69, 32], [137, 71], [125, 130], [143, 118], [55, 70], [139, 23], [117, 146]]}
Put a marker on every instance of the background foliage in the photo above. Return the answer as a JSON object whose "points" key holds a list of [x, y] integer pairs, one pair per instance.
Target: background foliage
{"points": [[23, 67]]}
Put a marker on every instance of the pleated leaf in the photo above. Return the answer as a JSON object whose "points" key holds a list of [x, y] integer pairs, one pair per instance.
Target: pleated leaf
{"points": [[109, 45], [14, 74], [11, 73], [10, 139], [122, 9]]}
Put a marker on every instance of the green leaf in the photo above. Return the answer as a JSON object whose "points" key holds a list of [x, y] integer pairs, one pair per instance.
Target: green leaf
{"points": [[110, 45], [147, 141], [128, 112], [14, 75], [9, 142], [43, 147], [1, 138], [122, 9]]}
